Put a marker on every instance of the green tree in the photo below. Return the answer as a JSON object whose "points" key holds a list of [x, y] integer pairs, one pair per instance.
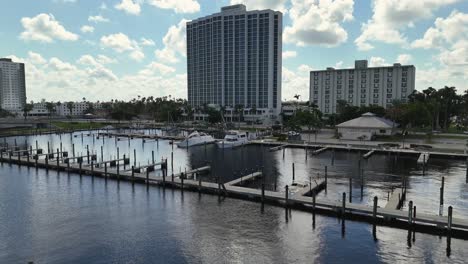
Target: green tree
{"points": [[26, 109]]}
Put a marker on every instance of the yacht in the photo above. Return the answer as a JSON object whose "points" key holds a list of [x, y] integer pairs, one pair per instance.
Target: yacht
{"points": [[196, 138], [233, 139]]}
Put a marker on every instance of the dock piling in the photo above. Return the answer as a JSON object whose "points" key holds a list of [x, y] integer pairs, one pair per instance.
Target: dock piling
{"points": [[449, 218], [374, 209], [263, 193], [343, 206], [293, 173], [286, 193], [410, 212], [350, 189]]}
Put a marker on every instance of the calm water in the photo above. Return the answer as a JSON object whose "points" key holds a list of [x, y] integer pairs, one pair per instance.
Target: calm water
{"points": [[60, 218]]}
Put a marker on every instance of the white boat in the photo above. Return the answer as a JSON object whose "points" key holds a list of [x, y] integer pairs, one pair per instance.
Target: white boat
{"points": [[233, 139], [196, 138]]}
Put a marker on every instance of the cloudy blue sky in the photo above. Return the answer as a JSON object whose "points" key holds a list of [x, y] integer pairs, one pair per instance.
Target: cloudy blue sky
{"points": [[123, 48]]}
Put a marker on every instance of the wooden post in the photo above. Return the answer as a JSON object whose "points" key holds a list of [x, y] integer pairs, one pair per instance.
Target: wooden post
{"points": [[102, 154], [133, 173], [285, 148], [263, 192], [326, 176], [105, 170], [48, 147], [87, 153], [47, 162], [414, 213], [182, 181], [58, 168], [152, 156], [147, 176], [374, 210], [424, 164], [199, 184], [134, 157], [81, 164], [350, 189], [293, 173], [286, 193], [172, 162], [73, 149], [343, 206], [410, 212], [449, 219], [92, 168], [313, 200]]}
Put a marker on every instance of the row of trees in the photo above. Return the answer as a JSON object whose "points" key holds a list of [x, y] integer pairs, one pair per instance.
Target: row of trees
{"points": [[430, 109]]}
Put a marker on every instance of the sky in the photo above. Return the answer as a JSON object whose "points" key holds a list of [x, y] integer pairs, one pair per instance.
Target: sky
{"points": [[121, 49]]}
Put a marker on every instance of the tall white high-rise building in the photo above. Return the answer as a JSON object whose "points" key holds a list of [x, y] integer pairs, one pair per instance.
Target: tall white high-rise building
{"points": [[234, 60], [361, 86], [12, 85]]}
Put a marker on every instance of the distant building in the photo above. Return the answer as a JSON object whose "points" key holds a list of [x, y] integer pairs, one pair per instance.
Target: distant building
{"points": [[361, 86], [12, 85], [234, 59], [290, 108], [39, 109], [79, 108], [366, 127]]}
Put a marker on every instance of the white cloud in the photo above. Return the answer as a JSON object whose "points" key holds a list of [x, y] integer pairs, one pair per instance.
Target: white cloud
{"points": [[391, 16], [404, 59], [58, 65], [179, 6], [62, 81], [289, 54], [36, 58], [155, 68], [296, 82], [445, 32], [339, 65], [129, 6], [174, 42], [377, 62], [45, 28], [120, 43], [103, 6], [277, 5], [87, 29], [105, 60], [97, 19], [318, 23], [147, 42]]}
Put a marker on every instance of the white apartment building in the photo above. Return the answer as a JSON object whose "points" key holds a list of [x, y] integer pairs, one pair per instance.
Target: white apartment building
{"points": [[12, 85], [61, 109], [234, 59], [361, 86], [79, 108]]}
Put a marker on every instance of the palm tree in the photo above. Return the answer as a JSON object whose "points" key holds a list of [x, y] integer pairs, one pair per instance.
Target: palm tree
{"points": [[26, 109], [70, 106]]}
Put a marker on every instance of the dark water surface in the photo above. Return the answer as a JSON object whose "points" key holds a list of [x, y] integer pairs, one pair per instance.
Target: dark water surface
{"points": [[59, 218]]}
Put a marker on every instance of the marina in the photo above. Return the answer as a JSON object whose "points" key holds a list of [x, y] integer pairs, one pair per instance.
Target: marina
{"points": [[282, 178]]}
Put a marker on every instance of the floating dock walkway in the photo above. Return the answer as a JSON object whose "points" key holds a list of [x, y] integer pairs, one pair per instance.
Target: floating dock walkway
{"points": [[286, 198]]}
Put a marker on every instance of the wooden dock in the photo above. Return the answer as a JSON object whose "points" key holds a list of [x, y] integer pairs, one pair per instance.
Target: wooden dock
{"points": [[345, 147], [423, 158], [368, 154], [318, 151], [141, 136], [396, 199], [366, 213], [246, 178]]}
